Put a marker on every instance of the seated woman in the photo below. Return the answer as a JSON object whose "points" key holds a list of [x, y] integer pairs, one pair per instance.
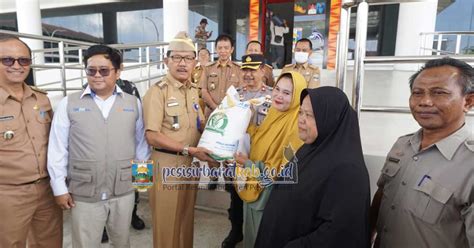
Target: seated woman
{"points": [[328, 206], [273, 144]]}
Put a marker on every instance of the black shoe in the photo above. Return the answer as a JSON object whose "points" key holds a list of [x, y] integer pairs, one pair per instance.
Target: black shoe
{"points": [[212, 186], [105, 237], [232, 239], [137, 223]]}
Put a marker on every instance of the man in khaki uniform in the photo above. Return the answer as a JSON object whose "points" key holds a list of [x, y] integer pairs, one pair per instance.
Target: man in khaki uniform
{"points": [[28, 212], [220, 75], [203, 59], [173, 121], [255, 47], [426, 189], [311, 73]]}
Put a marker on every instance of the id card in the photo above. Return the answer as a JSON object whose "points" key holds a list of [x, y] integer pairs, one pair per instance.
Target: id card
{"points": [[142, 175]]}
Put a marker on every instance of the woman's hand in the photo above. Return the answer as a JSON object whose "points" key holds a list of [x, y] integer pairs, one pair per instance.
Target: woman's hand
{"points": [[241, 159]]}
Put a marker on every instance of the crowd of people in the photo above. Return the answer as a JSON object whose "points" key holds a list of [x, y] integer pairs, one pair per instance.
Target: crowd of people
{"points": [[79, 158]]}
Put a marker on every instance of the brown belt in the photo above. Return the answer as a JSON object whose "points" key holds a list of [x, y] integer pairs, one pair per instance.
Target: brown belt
{"points": [[168, 151]]}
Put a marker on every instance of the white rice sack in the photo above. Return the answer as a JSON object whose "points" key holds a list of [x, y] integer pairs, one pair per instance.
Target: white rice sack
{"points": [[226, 125]]}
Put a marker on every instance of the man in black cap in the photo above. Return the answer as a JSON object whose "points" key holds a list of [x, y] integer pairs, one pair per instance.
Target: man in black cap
{"points": [[201, 35], [253, 71]]}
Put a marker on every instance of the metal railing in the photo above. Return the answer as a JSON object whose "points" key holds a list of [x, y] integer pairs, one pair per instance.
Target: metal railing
{"points": [[428, 41], [149, 56], [360, 60]]}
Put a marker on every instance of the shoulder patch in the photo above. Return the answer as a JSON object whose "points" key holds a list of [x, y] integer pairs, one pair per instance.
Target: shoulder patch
{"points": [[235, 63], [211, 64], [34, 88], [269, 66], [162, 83], [288, 65]]}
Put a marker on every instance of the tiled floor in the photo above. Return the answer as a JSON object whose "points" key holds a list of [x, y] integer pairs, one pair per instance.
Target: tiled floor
{"points": [[210, 227]]}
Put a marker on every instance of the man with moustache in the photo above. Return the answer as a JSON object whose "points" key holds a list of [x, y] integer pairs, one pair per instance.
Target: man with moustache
{"points": [[426, 190], [173, 121], [28, 212], [253, 70]]}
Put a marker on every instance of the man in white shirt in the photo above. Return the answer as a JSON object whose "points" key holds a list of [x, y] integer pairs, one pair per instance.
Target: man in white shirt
{"points": [[94, 135]]}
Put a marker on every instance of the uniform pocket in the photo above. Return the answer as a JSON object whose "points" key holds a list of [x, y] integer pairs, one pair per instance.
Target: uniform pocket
{"points": [[80, 183], [123, 179], [433, 198]]}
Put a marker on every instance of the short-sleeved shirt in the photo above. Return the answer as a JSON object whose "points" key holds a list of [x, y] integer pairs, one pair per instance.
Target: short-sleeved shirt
{"points": [[428, 194], [310, 73], [172, 108], [261, 111], [23, 156], [217, 78]]}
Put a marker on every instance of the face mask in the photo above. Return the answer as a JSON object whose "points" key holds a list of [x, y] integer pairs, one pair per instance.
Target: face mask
{"points": [[301, 57]]}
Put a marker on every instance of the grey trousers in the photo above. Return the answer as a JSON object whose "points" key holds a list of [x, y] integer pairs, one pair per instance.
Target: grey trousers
{"points": [[88, 220]]}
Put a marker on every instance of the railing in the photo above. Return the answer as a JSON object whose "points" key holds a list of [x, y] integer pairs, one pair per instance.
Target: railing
{"points": [[145, 56], [428, 42], [360, 50]]}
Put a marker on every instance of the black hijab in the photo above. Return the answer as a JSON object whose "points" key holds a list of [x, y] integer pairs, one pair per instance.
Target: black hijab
{"points": [[329, 204], [338, 129]]}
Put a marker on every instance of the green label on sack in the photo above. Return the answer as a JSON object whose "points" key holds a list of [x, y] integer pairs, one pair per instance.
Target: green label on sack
{"points": [[217, 123]]}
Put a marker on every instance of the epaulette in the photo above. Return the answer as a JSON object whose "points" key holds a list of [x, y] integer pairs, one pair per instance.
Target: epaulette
{"points": [[288, 65], [211, 64], [162, 83], [38, 90], [235, 63], [194, 85], [314, 67], [269, 66]]}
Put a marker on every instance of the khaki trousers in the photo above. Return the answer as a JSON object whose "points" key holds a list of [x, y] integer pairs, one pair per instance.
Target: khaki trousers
{"points": [[89, 219], [172, 206], [29, 212]]}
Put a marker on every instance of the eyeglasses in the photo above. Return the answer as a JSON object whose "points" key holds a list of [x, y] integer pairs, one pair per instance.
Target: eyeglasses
{"points": [[178, 59], [9, 61], [104, 72]]}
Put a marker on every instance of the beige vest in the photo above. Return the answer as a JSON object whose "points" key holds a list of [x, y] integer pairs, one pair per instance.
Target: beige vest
{"points": [[100, 149]]}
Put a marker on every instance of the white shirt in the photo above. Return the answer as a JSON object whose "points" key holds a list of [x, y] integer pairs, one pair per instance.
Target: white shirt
{"points": [[277, 30], [59, 135]]}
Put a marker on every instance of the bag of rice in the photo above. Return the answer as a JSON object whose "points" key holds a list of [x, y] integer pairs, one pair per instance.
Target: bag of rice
{"points": [[227, 124]]}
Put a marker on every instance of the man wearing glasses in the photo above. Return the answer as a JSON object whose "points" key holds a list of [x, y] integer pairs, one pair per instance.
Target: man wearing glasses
{"points": [[94, 135], [173, 120], [28, 213]]}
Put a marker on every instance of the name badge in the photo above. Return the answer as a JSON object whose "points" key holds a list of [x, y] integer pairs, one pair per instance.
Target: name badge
{"points": [[6, 118]]}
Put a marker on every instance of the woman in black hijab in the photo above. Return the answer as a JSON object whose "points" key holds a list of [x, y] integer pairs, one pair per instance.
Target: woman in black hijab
{"points": [[328, 205]]}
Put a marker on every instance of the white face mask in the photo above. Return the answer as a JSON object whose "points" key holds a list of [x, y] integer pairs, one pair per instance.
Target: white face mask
{"points": [[301, 57]]}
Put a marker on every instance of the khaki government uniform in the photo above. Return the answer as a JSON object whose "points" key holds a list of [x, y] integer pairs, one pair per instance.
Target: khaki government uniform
{"points": [[27, 206], [166, 103], [261, 111], [217, 78], [428, 194], [310, 73], [269, 79], [196, 78]]}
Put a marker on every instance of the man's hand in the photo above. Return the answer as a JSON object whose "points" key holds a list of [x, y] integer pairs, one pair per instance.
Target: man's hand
{"points": [[201, 153], [65, 201]]}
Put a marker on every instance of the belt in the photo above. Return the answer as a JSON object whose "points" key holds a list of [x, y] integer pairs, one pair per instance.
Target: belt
{"points": [[36, 181], [168, 151]]}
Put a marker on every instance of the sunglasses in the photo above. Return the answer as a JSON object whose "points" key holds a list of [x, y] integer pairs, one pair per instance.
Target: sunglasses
{"points": [[9, 61], [104, 72]]}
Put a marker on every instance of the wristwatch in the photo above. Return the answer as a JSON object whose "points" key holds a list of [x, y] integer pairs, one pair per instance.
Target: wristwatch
{"points": [[185, 151]]}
